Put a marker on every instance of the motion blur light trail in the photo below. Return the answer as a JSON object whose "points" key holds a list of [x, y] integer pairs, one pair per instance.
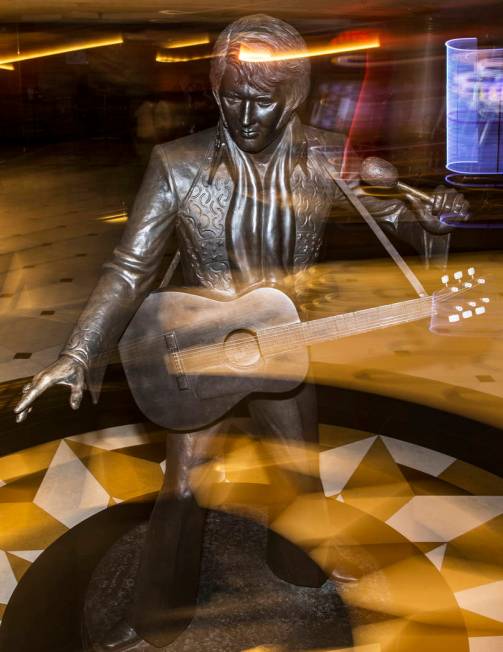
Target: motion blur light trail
{"points": [[263, 56], [61, 49], [202, 39], [114, 218], [164, 58]]}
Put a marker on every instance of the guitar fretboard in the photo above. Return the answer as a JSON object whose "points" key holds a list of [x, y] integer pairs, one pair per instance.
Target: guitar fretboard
{"points": [[288, 337]]}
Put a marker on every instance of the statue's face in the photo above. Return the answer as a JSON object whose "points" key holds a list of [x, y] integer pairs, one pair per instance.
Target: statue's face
{"points": [[254, 118]]}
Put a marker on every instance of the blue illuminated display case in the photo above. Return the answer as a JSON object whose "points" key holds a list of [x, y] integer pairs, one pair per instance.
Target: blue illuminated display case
{"points": [[474, 108]]}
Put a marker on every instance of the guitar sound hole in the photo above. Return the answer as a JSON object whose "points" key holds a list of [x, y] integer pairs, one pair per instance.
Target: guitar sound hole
{"points": [[241, 348]]}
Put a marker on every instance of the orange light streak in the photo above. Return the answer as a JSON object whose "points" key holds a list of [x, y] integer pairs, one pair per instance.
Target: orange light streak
{"points": [[114, 218], [261, 56], [164, 58], [202, 39], [62, 49], [7, 66]]}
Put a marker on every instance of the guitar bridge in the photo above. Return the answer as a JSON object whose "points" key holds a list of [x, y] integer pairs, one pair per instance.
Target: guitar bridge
{"points": [[175, 363]]}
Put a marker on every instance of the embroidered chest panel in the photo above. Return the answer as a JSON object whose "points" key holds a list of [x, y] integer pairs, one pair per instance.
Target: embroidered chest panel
{"points": [[201, 224]]}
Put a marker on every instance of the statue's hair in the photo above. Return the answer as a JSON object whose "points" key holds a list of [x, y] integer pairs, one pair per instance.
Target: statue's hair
{"points": [[274, 35]]}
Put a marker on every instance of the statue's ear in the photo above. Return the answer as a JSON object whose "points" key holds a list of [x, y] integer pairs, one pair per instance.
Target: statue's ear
{"points": [[216, 96]]}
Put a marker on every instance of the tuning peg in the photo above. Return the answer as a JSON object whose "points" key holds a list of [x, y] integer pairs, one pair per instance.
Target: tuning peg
{"points": [[445, 279], [454, 288], [459, 308], [480, 310], [472, 304], [481, 281], [485, 299], [467, 284], [453, 318], [458, 275], [467, 314], [471, 271]]}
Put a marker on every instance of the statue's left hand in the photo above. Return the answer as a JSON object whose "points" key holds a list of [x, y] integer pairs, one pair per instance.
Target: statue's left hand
{"points": [[65, 371], [448, 205]]}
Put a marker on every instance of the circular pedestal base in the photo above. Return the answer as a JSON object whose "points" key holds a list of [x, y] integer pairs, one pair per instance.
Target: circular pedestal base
{"points": [[241, 605]]}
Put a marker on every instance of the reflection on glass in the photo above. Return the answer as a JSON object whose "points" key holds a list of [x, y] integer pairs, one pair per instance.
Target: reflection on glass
{"points": [[474, 104]]}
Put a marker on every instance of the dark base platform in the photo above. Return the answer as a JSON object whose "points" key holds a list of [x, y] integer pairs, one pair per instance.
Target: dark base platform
{"points": [[241, 603]]}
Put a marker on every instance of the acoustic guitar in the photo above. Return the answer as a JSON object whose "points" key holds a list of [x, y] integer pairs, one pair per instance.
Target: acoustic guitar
{"points": [[189, 358]]}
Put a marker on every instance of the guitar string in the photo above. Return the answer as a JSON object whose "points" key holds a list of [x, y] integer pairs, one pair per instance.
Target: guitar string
{"points": [[378, 322], [212, 358], [265, 338], [266, 335], [270, 333], [300, 328]]}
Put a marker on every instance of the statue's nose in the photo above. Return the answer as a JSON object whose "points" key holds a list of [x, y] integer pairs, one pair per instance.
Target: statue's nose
{"points": [[247, 114]]}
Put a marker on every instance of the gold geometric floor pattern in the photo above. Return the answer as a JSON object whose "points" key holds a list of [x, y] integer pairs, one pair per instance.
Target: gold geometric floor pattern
{"points": [[421, 531]]}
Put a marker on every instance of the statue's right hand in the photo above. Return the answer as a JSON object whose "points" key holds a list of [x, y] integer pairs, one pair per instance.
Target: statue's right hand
{"points": [[65, 371]]}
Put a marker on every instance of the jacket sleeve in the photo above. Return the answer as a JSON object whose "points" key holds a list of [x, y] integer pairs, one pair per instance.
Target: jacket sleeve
{"points": [[129, 276]]}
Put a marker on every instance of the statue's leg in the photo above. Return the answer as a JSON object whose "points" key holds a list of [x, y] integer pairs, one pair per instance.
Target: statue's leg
{"points": [[293, 419], [168, 578]]}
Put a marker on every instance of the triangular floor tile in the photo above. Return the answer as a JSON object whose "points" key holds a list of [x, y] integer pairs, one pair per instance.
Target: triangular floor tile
{"points": [[417, 457], [8, 581], [337, 465], [69, 492], [436, 556], [443, 518], [486, 644], [486, 600], [19, 566], [28, 555]]}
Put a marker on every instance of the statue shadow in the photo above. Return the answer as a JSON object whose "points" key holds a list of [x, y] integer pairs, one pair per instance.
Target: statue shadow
{"points": [[241, 603]]}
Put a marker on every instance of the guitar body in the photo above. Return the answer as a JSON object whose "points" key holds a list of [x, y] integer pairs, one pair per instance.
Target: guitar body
{"points": [[189, 358]]}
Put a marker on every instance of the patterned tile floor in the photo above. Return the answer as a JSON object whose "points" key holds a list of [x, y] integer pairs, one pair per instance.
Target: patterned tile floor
{"points": [[61, 212], [383, 490]]}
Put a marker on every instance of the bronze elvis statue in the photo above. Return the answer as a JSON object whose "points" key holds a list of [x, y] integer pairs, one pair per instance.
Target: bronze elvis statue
{"points": [[247, 202]]}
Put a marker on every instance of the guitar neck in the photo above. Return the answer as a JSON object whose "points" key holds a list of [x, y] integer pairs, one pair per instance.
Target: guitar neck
{"points": [[285, 338]]}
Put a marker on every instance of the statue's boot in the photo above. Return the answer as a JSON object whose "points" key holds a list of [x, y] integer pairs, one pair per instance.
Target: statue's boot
{"points": [[120, 638], [167, 582]]}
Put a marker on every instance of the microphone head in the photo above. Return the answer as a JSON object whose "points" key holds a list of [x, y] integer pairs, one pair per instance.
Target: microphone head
{"points": [[378, 172]]}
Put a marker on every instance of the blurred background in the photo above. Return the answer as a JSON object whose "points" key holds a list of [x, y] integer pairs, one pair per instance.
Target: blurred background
{"points": [[107, 78]]}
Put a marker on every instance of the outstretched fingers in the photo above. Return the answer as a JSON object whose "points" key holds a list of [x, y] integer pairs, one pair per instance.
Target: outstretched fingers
{"points": [[21, 416], [77, 390], [62, 372], [33, 391]]}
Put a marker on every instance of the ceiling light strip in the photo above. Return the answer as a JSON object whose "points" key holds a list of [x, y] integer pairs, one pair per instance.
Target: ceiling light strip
{"points": [[164, 58], [259, 56], [188, 42], [62, 49]]}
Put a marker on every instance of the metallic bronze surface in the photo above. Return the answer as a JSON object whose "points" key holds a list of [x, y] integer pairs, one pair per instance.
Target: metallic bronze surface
{"points": [[240, 601], [248, 203], [178, 384]]}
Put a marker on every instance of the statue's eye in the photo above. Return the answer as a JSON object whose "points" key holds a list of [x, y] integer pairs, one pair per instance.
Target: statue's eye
{"points": [[231, 99], [264, 103]]}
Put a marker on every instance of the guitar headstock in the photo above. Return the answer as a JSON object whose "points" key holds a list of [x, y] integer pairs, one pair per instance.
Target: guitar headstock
{"points": [[463, 298]]}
